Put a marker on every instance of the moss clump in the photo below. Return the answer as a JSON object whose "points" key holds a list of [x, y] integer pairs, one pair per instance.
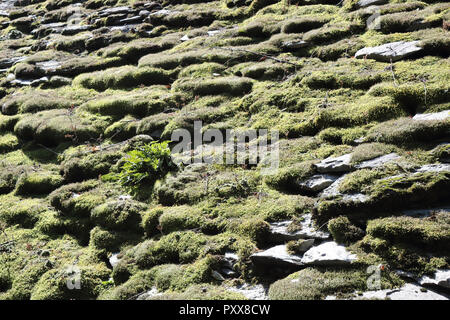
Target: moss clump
{"points": [[9, 176], [180, 277], [315, 284], [137, 284], [343, 136], [7, 123], [8, 143], [104, 239], [88, 166], [15, 210], [331, 32], [138, 102], [206, 69], [406, 130], [179, 218], [343, 231], [202, 292], [430, 232], [150, 221], [367, 151], [38, 183], [227, 85], [122, 77], [119, 215], [364, 111], [303, 24], [255, 228], [56, 126], [78, 199], [396, 192], [34, 101], [404, 256], [357, 182], [442, 152], [184, 247], [288, 178], [53, 284], [414, 96], [297, 246]]}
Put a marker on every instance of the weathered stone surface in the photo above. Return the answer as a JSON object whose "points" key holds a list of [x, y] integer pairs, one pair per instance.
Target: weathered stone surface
{"points": [[114, 260], [390, 51], [432, 116], [276, 256], [294, 45], [441, 278], [251, 292], [279, 233], [408, 292], [328, 254], [317, 182], [377, 162], [439, 167], [366, 3], [337, 164], [149, 294]]}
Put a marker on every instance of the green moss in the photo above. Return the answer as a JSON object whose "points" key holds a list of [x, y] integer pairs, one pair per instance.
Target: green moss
{"points": [[206, 69], [34, 101], [367, 151], [303, 24], [137, 284], [364, 111], [404, 256], [56, 126], [181, 277], [53, 284], [185, 247], [288, 178], [296, 246], [179, 218], [314, 284], [150, 220], [88, 166], [9, 176], [432, 233], [137, 102], [7, 123], [343, 136], [227, 85], [343, 231], [8, 143], [38, 183], [396, 192], [406, 130], [331, 32], [15, 210], [202, 292], [78, 199], [105, 239], [122, 77], [119, 215], [255, 228], [356, 182], [441, 152], [414, 96]]}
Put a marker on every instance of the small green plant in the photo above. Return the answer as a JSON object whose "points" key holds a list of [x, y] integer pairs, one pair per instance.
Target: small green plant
{"points": [[146, 164]]}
